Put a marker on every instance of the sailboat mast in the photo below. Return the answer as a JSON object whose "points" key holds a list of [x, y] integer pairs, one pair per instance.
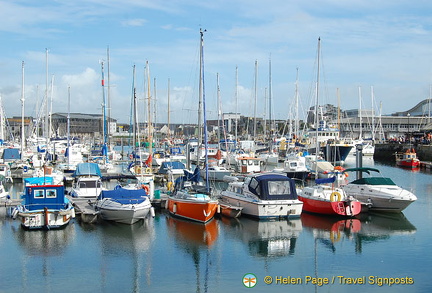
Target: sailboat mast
{"points": [[373, 114], [219, 108], [360, 114], [296, 118], [150, 130], [22, 111], [68, 128], [236, 104], [317, 100], [46, 97], [104, 119], [270, 98], [169, 131], [255, 93], [108, 90], [202, 91]]}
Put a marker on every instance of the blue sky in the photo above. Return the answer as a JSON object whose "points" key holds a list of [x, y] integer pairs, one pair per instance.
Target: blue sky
{"points": [[385, 45]]}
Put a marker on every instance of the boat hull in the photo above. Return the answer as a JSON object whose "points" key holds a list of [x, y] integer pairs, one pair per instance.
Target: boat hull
{"points": [[339, 208], [46, 218], [264, 209], [408, 163], [191, 209], [380, 197], [123, 213]]}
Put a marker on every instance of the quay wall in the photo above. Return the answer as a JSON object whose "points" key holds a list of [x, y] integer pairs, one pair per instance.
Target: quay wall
{"points": [[386, 151]]}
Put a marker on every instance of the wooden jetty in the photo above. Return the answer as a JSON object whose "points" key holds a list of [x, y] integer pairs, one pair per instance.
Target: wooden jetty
{"points": [[84, 207]]}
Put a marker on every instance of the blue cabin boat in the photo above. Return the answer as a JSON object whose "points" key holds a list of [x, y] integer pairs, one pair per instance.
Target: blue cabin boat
{"points": [[44, 205]]}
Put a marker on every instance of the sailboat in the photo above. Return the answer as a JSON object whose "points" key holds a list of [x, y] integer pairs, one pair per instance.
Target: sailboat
{"points": [[190, 200]]}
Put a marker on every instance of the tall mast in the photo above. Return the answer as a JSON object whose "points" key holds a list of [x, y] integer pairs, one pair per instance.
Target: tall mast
{"points": [[360, 114], [150, 130], [155, 105], [373, 114], [22, 111], [219, 108], [104, 119], [51, 107], [236, 104], [46, 97], [270, 97], [68, 128], [108, 90], [296, 118], [317, 99], [265, 111], [255, 93], [169, 132], [202, 91]]}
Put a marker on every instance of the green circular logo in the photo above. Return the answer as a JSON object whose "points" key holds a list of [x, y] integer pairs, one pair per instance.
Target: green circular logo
{"points": [[249, 280]]}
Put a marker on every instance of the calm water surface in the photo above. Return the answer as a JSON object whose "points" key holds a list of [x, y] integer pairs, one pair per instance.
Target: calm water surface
{"points": [[169, 255]]}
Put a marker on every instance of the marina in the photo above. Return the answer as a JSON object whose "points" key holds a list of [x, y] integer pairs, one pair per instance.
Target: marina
{"points": [[169, 254]]}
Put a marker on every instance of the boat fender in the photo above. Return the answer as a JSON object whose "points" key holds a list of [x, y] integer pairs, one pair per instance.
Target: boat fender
{"points": [[146, 188], [14, 213], [152, 212], [174, 208], [335, 195], [170, 185]]}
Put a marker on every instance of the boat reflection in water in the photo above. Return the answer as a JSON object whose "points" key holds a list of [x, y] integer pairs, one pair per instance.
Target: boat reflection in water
{"points": [[382, 226], [196, 240], [366, 228], [44, 242], [193, 234], [330, 229], [132, 244], [266, 238]]}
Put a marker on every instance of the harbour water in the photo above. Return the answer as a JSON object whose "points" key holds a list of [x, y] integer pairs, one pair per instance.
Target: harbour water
{"points": [[372, 253]]}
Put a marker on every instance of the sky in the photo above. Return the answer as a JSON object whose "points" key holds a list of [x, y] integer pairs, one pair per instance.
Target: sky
{"points": [[375, 54]]}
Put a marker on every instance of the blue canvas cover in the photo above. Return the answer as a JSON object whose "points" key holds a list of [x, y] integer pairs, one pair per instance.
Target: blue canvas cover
{"points": [[11, 154], [87, 169], [38, 180], [165, 166], [273, 187], [38, 197], [124, 196], [325, 180]]}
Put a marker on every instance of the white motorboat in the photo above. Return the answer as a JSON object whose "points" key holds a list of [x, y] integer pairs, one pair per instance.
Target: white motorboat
{"points": [[294, 166], [378, 193], [123, 205], [268, 195], [88, 181]]}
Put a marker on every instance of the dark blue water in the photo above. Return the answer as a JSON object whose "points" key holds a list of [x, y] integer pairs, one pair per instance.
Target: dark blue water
{"points": [[168, 255]]}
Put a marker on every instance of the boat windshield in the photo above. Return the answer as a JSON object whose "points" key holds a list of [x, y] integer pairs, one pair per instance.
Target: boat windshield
{"points": [[279, 187]]}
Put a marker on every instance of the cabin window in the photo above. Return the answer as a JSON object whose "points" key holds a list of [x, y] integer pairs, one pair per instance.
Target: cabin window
{"points": [[51, 193], [39, 193], [279, 187]]}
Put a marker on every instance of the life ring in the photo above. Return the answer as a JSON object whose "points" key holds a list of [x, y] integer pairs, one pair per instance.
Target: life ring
{"points": [[146, 188], [148, 170], [335, 236], [335, 194]]}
